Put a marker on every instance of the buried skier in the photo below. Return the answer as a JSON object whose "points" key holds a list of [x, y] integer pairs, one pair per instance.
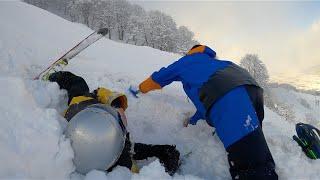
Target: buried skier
{"points": [[79, 100], [228, 98]]}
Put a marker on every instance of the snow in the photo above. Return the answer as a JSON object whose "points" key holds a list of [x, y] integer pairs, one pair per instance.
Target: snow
{"points": [[303, 105], [33, 145], [31, 139]]}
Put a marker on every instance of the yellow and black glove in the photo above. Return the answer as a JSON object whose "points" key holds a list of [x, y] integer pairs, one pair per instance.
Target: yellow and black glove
{"points": [[112, 98]]}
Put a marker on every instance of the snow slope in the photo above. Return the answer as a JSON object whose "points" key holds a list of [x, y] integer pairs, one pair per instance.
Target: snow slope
{"points": [[32, 142], [305, 107]]}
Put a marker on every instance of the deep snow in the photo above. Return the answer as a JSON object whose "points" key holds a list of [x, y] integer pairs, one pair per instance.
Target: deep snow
{"points": [[32, 142]]}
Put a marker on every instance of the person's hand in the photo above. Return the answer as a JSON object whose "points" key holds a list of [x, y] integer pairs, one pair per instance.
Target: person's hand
{"points": [[169, 157]]}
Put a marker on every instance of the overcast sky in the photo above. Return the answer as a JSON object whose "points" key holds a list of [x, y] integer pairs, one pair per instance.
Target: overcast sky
{"points": [[286, 35]]}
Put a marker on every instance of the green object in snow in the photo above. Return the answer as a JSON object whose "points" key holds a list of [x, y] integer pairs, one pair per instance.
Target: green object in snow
{"points": [[309, 140]]}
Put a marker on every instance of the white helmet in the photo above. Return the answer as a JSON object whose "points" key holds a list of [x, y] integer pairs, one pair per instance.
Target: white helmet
{"points": [[97, 138]]}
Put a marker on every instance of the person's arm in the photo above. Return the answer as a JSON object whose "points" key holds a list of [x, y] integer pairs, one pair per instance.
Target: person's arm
{"points": [[74, 85], [112, 98], [163, 77]]}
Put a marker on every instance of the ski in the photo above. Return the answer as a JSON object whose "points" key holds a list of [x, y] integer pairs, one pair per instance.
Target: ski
{"points": [[64, 60]]}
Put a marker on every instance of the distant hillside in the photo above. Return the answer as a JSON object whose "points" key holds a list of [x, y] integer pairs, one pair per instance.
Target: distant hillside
{"points": [[307, 81], [315, 70]]}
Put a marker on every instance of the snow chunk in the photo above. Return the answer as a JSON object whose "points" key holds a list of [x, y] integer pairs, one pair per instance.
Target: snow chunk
{"points": [[31, 140]]}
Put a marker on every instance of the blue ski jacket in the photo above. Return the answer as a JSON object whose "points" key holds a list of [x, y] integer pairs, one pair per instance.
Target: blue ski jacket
{"points": [[232, 114]]}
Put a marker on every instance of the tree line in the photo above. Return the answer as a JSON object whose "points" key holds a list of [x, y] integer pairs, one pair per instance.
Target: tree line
{"points": [[127, 22]]}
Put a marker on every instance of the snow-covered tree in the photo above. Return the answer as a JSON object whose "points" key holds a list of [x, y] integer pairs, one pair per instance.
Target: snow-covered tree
{"points": [[127, 22], [86, 9], [162, 30], [39, 3], [256, 68], [136, 24], [104, 15], [184, 39], [122, 14]]}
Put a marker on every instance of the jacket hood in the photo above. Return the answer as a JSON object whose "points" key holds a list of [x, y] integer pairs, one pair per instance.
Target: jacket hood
{"points": [[202, 49]]}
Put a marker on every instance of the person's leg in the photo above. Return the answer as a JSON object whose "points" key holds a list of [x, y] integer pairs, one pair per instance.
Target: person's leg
{"points": [[257, 100], [250, 158], [167, 154], [75, 85], [238, 127], [125, 158]]}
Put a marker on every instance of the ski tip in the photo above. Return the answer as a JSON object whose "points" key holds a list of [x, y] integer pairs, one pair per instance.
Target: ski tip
{"points": [[103, 31]]}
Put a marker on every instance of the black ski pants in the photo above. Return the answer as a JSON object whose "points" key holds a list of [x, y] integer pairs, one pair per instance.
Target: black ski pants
{"points": [[250, 157]]}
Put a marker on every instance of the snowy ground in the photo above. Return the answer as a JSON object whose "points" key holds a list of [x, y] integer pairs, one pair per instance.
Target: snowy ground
{"points": [[32, 142], [304, 106]]}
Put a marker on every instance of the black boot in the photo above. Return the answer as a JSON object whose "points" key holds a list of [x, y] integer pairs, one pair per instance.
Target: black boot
{"points": [[168, 155]]}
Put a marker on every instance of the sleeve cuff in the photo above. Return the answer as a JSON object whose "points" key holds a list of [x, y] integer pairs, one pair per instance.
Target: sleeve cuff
{"points": [[148, 85]]}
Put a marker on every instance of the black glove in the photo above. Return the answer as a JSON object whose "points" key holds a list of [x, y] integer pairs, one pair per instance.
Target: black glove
{"points": [[169, 156]]}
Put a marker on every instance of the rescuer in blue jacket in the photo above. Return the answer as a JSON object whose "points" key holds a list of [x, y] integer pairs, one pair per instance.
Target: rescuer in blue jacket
{"points": [[228, 98]]}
